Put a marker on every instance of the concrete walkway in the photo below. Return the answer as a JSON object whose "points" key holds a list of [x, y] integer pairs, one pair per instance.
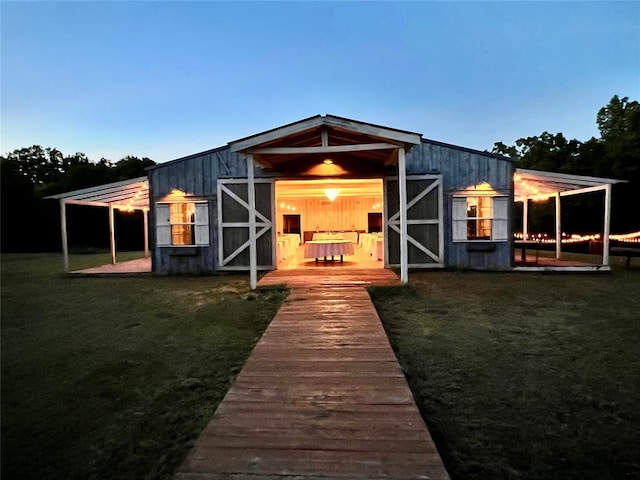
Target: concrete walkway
{"points": [[321, 397]]}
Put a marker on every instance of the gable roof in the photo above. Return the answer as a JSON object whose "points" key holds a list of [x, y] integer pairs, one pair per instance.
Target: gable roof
{"points": [[326, 136]]}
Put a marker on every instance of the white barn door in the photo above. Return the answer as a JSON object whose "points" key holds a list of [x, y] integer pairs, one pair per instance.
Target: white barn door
{"points": [[425, 234], [234, 225]]}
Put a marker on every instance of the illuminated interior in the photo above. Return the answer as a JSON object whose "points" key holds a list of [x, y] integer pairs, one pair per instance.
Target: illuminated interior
{"points": [[306, 207], [348, 211]]}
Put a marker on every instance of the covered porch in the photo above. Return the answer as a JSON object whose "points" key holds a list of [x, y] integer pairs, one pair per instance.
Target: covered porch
{"points": [[530, 251], [125, 196]]}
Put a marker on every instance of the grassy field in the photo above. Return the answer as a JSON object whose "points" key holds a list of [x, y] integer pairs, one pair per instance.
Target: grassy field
{"points": [[113, 378], [523, 376]]}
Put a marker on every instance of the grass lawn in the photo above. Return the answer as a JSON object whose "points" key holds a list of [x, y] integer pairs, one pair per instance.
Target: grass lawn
{"points": [[523, 376], [113, 378]]}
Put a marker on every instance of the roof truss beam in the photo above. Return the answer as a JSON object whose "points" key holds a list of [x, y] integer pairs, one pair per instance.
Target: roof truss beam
{"points": [[322, 149]]}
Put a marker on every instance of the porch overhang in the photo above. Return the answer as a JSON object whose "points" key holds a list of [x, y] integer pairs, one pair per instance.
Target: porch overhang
{"points": [[127, 195], [342, 143], [541, 185]]}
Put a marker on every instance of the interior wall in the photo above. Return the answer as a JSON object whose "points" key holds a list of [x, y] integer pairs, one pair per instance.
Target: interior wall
{"points": [[343, 214]]}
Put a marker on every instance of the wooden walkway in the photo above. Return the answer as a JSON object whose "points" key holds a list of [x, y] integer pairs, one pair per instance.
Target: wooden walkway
{"points": [[321, 397]]}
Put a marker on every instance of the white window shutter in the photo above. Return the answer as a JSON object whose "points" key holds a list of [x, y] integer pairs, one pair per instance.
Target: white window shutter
{"points": [[459, 215], [163, 224], [202, 223], [500, 225]]}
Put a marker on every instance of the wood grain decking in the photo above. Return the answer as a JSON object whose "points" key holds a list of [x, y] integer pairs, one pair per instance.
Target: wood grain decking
{"points": [[321, 397]]}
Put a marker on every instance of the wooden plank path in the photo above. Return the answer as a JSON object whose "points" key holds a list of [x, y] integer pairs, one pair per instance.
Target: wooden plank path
{"points": [[321, 397]]}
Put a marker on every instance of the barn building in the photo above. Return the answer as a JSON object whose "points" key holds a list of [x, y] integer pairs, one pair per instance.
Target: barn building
{"points": [[421, 203]]}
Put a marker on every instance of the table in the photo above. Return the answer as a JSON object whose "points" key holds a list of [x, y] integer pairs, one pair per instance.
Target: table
{"points": [[288, 244], [522, 245], [367, 240], [351, 236], [377, 249], [328, 248]]}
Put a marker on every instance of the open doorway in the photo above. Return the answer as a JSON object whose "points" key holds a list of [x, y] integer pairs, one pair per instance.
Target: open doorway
{"points": [[329, 212]]}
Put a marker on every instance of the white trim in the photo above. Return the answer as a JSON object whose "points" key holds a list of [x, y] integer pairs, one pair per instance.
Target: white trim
{"points": [[253, 256], [558, 228], [493, 218], [63, 231], [112, 234], [607, 225], [264, 225], [402, 190], [417, 198], [268, 136], [380, 132], [146, 232], [575, 179], [394, 224], [579, 191], [322, 149], [243, 203]]}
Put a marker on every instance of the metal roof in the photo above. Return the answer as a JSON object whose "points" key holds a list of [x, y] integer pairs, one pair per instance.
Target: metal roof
{"points": [[538, 185], [125, 195]]}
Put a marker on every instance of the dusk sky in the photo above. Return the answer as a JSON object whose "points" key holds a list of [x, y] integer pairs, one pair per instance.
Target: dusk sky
{"points": [[168, 79]]}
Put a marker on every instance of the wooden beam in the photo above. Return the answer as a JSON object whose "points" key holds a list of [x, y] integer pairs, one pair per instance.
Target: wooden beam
{"points": [[558, 228], [146, 232], [580, 191], [324, 136], [63, 231], [100, 189], [373, 130], [86, 203], [607, 226], [275, 134], [402, 189], [112, 234], [573, 179], [328, 149], [253, 254]]}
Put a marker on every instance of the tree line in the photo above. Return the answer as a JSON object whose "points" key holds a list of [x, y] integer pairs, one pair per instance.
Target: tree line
{"points": [[30, 223], [614, 154]]}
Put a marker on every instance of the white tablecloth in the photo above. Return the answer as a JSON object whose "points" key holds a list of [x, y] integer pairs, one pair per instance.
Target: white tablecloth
{"points": [[367, 239], [319, 249], [322, 236], [288, 244], [377, 249]]}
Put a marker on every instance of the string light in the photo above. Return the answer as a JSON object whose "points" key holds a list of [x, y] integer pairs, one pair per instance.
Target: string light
{"points": [[286, 206], [144, 187], [543, 238]]}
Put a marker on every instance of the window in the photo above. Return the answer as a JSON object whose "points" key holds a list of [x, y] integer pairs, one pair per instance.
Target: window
{"points": [[480, 218], [182, 223]]}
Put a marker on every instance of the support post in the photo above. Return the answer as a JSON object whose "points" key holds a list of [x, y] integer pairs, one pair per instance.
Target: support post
{"points": [[63, 231], [146, 232], [253, 255], [112, 234], [402, 189], [558, 227], [525, 219], [607, 225]]}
